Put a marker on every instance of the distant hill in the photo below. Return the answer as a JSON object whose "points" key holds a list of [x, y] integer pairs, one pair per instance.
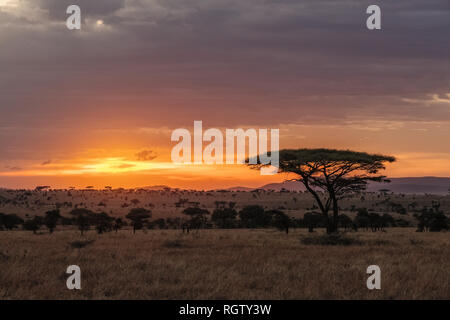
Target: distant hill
{"points": [[156, 187], [433, 185], [240, 189], [288, 185], [418, 185]]}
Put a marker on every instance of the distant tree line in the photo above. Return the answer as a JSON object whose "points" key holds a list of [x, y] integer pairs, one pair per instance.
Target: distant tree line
{"points": [[224, 216], [432, 219]]}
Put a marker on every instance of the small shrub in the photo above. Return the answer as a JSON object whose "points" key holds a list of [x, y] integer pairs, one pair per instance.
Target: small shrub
{"points": [[80, 243], [330, 240], [416, 242], [380, 242], [173, 244], [3, 257]]}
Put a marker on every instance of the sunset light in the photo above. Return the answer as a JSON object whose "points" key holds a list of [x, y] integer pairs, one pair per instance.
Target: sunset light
{"points": [[240, 158]]}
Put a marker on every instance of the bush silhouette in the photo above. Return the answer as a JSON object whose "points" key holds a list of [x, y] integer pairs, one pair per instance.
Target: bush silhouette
{"points": [[280, 220], [51, 219], [197, 218], [313, 220], [33, 224], [82, 218], [10, 221], [254, 216], [224, 217], [138, 217], [102, 222]]}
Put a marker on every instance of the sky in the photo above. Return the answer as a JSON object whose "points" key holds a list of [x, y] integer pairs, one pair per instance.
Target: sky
{"points": [[97, 106]]}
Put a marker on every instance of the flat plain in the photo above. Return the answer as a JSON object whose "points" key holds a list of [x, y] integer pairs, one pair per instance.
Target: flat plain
{"points": [[223, 264], [219, 263]]}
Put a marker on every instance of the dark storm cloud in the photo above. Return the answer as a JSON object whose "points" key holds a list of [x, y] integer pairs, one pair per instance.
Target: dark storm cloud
{"points": [[145, 155]]}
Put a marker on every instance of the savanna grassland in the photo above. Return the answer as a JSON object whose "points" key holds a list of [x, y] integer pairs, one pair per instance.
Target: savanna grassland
{"points": [[223, 264], [217, 263], [171, 203]]}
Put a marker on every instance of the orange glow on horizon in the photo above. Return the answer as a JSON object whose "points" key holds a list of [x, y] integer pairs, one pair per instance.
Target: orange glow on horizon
{"points": [[130, 173]]}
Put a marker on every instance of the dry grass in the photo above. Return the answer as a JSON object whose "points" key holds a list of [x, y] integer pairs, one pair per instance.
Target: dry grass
{"points": [[223, 264]]}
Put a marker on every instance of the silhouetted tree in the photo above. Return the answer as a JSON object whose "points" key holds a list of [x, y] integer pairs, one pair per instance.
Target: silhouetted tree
{"points": [[254, 216], [330, 175], [345, 221], [197, 217], [312, 220], [11, 221], [362, 218], [161, 223], [138, 217], [118, 224], [33, 224], [432, 219], [280, 220], [82, 218], [375, 221], [51, 219], [224, 217], [102, 222], [387, 221]]}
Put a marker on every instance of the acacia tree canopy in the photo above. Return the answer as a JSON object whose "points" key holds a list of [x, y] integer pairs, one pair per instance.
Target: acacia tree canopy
{"points": [[138, 216], [329, 174]]}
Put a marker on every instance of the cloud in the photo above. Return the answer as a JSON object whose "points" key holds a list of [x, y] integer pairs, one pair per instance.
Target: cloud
{"points": [[145, 155], [231, 63], [125, 166], [13, 168]]}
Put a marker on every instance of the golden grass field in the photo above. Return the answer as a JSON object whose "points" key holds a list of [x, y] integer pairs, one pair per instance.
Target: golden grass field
{"points": [[223, 264]]}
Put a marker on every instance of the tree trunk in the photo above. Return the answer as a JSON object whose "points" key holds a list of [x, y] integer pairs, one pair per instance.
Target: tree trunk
{"points": [[333, 224]]}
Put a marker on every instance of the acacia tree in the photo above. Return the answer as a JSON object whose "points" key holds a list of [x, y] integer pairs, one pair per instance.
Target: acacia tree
{"points": [[330, 175], [51, 219], [224, 216], [312, 220], [280, 220], [102, 222], [10, 221], [118, 224], [254, 216], [82, 218], [197, 216], [138, 217], [33, 224]]}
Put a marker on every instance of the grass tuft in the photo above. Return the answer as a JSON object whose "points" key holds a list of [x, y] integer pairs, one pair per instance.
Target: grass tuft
{"points": [[177, 243], [80, 243], [337, 239]]}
